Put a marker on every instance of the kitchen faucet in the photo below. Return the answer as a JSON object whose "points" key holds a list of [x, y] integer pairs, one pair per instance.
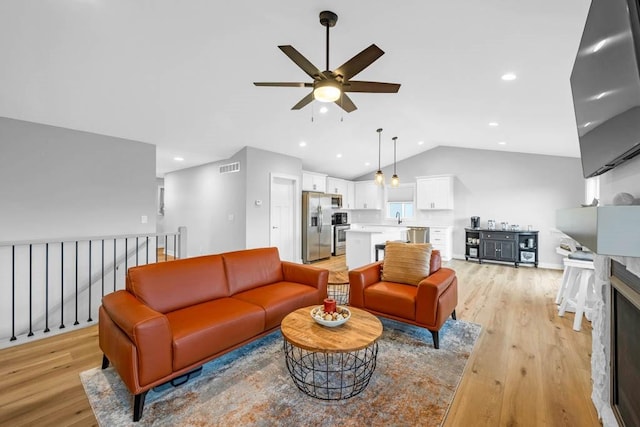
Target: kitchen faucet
{"points": [[398, 217]]}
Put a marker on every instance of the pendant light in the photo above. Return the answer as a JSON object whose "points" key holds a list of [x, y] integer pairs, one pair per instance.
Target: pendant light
{"points": [[395, 181], [379, 177]]}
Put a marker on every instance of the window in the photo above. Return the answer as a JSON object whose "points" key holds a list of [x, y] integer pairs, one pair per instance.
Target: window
{"points": [[591, 189], [404, 208], [401, 200]]}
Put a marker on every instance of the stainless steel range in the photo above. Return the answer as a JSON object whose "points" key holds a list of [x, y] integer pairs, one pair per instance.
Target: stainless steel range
{"points": [[339, 222]]}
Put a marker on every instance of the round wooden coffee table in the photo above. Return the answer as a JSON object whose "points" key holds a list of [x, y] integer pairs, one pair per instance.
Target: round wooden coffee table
{"points": [[331, 363]]}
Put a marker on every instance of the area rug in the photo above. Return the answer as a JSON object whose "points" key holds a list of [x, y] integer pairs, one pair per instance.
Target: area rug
{"points": [[413, 384]]}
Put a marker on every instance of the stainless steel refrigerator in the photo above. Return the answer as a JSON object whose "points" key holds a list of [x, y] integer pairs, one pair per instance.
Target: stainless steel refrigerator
{"points": [[316, 226]]}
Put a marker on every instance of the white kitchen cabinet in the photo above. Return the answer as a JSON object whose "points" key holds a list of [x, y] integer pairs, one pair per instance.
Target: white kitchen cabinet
{"points": [[350, 202], [345, 188], [367, 195], [435, 192], [337, 186], [441, 239], [312, 181]]}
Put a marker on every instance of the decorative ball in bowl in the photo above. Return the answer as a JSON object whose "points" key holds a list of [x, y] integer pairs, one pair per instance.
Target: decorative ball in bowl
{"points": [[337, 318]]}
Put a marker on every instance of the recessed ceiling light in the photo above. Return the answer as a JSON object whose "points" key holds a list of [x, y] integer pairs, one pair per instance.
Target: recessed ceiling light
{"points": [[493, 124], [338, 155], [178, 159], [302, 144], [323, 110], [508, 76], [367, 164], [420, 142], [502, 143]]}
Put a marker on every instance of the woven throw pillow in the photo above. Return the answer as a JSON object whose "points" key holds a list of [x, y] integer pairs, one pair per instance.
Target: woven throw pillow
{"points": [[406, 262]]}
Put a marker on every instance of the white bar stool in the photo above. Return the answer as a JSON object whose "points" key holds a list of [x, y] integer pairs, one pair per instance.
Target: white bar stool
{"points": [[569, 276], [577, 291], [565, 274]]}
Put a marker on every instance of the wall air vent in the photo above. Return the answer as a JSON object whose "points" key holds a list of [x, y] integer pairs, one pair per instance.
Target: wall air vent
{"points": [[230, 168]]}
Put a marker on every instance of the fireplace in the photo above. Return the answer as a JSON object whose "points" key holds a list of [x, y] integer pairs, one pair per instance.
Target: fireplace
{"points": [[612, 233], [625, 345]]}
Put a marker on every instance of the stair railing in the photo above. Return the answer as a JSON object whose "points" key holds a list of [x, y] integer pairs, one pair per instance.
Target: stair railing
{"points": [[43, 282]]}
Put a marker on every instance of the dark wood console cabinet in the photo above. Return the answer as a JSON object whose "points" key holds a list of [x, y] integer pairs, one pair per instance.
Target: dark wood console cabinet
{"points": [[517, 247]]}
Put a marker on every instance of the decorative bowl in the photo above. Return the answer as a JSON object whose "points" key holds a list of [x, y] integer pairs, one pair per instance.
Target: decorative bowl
{"points": [[316, 314]]}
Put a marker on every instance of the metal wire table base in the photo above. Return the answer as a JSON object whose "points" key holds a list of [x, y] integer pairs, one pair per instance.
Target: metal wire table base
{"points": [[339, 292], [331, 376]]}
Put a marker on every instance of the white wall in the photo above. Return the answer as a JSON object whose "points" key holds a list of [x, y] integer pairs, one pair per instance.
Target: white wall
{"points": [[219, 210], [513, 187], [57, 182], [210, 204], [260, 164], [623, 179], [60, 183]]}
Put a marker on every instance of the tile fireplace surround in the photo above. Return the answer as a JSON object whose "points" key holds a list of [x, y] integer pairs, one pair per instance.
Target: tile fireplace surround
{"points": [[601, 335]]}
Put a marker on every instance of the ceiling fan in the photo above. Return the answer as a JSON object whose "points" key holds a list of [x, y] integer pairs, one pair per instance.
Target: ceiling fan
{"points": [[331, 86]]}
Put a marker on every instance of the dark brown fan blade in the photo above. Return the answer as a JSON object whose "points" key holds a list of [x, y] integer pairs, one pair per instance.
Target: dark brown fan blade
{"points": [[304, 101], [302, 62], [283, 84], [359, 62], [359, 86], [346, 103]]}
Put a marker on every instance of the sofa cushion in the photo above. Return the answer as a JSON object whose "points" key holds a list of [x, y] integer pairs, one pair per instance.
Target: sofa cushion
{"points": [[406, 262], [392, 298], [206, 329], [280, 299], [169, 286], [251, 268]]}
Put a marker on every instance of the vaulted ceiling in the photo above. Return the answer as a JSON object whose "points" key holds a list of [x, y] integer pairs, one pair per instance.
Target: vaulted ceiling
{"points": [[179, 74]]}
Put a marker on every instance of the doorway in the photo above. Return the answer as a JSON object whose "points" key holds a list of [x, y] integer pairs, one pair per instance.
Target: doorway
{"points": [[285, 216]]}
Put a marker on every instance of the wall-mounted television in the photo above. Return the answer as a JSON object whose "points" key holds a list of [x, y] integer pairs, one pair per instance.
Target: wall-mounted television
{"points": [[605, 83]]}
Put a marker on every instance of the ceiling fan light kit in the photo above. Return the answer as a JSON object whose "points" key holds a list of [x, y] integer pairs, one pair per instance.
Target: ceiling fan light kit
{"points": [[327, 91], [331, 86]]}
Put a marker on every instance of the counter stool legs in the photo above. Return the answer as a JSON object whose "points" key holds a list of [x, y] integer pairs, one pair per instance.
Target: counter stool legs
{"points": [[581, 287], [586, 286], [568, 277]]}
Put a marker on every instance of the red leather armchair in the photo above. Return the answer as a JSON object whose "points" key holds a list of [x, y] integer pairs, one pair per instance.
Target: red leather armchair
{"points": [[427, 305]]}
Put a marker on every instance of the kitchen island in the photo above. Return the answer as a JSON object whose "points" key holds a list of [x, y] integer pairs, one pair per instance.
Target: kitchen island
{"points": [[361, 242]]}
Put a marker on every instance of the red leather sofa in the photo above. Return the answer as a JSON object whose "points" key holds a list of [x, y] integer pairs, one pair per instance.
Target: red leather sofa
{"points": [[427, 305], [175, 316]]}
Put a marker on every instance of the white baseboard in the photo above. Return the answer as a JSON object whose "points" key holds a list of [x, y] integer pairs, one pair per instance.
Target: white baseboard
{"points": [[551, 266], [547, 265]]}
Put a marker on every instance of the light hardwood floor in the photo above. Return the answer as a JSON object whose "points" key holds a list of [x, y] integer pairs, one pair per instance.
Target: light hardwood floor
{"points": [[528, 368]]}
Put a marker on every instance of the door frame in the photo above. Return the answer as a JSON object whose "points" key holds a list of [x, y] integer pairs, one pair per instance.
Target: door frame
{"points": [[297, 211]]}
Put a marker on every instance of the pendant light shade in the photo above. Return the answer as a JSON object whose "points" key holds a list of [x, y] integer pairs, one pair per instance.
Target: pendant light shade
{"points": [[395, 181], [379, 177]]}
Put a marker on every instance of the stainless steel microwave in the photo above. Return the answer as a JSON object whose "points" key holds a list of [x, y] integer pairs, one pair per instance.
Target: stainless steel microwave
{"points": [[336, 201]]}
